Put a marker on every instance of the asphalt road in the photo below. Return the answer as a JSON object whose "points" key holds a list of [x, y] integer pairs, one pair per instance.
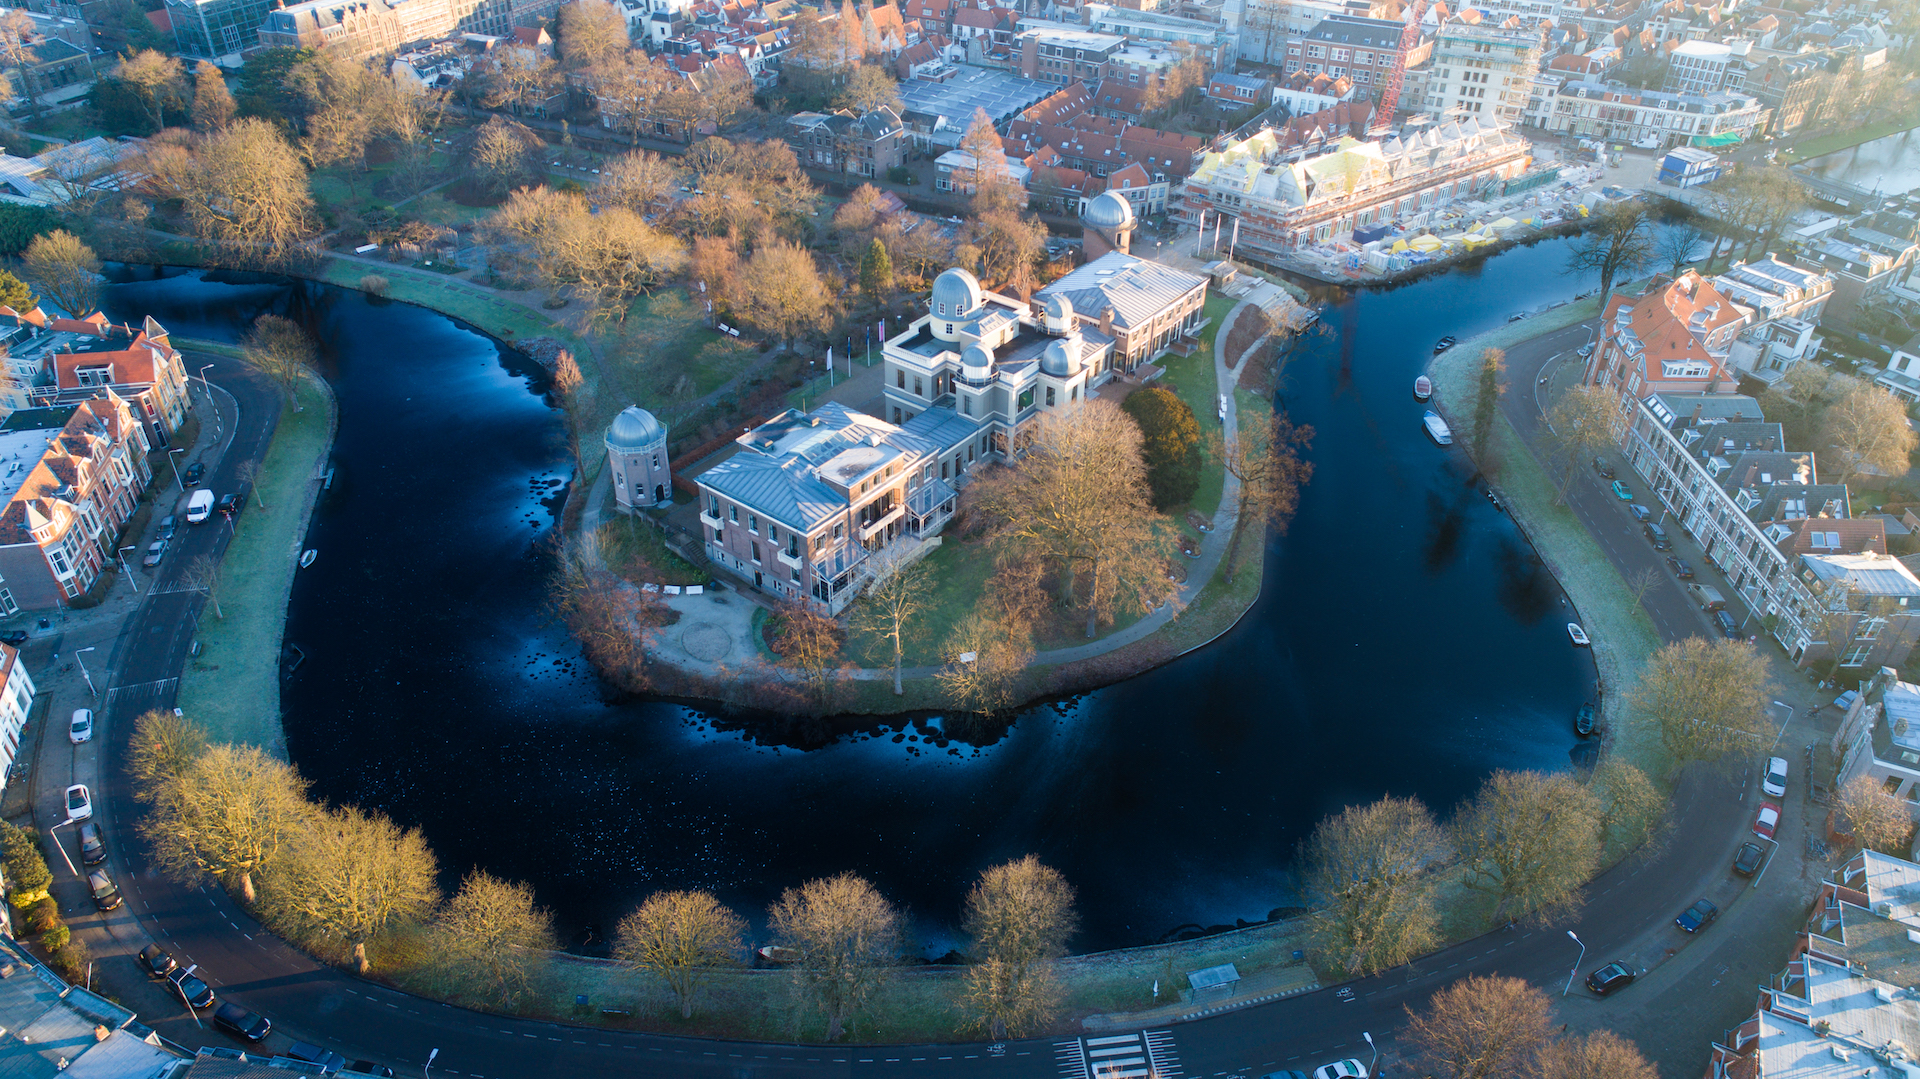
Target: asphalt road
{"points": [[1629, 914]]}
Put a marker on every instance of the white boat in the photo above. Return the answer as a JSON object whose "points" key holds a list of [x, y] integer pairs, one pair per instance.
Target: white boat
{"points": [[1438, 428], [1579, 635], [1422, 388], [307, 558]]}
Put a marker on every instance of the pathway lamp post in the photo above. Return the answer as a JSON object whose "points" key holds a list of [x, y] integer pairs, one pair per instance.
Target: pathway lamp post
{"points": [[83, 671], [128, 570], [175, 462], [1576, 962], [62, 847], [1376, 1053], [431, 1053]]}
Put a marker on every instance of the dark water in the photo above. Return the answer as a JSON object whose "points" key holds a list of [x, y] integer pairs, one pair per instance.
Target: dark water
{"points": [[1889, 165], [1407, 641]]}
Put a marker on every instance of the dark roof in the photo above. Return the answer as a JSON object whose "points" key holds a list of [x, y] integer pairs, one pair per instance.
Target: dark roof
{"points": [[40, 419]]}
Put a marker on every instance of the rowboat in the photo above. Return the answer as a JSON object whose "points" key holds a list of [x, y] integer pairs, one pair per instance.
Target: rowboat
{"points": [[1579, 635], [1422, 388], [1438, 428]]}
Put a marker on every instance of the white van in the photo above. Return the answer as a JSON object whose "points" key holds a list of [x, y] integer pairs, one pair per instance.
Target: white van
{"points": [[200, 506]]}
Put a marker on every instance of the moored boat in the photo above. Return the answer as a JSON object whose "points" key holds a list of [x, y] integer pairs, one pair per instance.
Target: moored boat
{"points": [[1438, 428], [307, 558], [1583, 720], [1579, 635], [1422, 388], [1444, 344]]}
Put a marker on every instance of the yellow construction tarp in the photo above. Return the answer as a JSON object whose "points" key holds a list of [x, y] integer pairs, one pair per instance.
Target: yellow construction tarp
{"points": [[1505, 223], [1426, 243], [1399, 245]]}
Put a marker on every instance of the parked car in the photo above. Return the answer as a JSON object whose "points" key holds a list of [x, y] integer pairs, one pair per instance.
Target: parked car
{"points": [[1775, 782], [1748, 859], [155, 552], [1585, 351], [167, 527], [1622, 492], [14, 637], [1728, 627], [1697, 917], [199, 507], [105, 895], [313, 1054], [1680, 568], [1640, 513], [197, 993], [1611, 978], [155, 961], [79, 802], [191, 477], [93, 850], [80, 728], [231, 505], [1657, 536], [368, 1067], [1707, 597], [1767, 821], [1341, 1069], [241, 1023], [1601, 466]]}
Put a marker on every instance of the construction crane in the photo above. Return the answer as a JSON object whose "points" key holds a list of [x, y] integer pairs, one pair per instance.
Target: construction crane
{"points": [[1409, 38]]}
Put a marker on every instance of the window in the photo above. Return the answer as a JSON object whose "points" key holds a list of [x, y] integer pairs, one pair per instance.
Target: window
{"points": [[756, 552], [1049, 396], [57, 556], [733, 512], [1892, 785], [753, 523], [916, 387], [900, 378]]}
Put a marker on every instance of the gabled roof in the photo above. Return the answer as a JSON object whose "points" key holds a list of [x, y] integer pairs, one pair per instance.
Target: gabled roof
{"points": [[1137, 290], [785, 463]]}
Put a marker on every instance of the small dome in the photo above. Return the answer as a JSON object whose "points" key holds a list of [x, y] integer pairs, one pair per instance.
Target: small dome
{"points": [[1059, 308], [1062, 358], [956, 293], [1109, 212], [976, 356], [634, 429]]}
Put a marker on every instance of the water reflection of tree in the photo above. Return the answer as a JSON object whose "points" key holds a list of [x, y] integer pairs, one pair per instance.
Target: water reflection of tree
{"points": [[1524, 588]]}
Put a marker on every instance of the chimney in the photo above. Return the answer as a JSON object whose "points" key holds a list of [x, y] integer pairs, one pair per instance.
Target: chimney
{"points": [[1697, 409], [1106, 320]]}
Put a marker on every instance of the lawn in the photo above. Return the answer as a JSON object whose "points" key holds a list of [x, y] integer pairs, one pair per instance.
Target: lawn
{"points": [[1193, 379], [959, 572], [638, 552], [1840, 140], [233, 687], [666, 337]]}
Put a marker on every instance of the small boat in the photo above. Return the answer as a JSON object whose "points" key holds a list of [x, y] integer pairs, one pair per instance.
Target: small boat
{"points": [[307, 558], [775, 954], [1579, 635], [1422, 388], [1583, 720], [1438, 428], [1495, 499], [1444, 344]]}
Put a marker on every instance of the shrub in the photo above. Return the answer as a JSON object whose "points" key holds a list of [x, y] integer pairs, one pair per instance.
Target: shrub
{"points": [[374, 284], [71, 960], [20, 224], [42, 915], [26, 867], [56, 938]]}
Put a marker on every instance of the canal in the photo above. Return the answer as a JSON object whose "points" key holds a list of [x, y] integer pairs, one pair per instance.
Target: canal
{"points": [[1889, 165], [1407, 641]]}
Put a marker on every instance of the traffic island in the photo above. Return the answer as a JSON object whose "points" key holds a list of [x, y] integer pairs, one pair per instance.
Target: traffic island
{"points": [[232, 687]]}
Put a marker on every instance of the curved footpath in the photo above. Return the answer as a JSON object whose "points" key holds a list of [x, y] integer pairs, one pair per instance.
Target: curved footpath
{"points": [[1696, 987]]}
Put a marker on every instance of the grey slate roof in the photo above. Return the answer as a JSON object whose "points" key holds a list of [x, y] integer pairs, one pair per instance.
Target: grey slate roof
{"points": [[777, 474], [941, 428], [1136, 289]]}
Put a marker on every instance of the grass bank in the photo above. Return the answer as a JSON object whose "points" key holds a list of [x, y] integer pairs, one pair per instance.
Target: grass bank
{"points": [[233, 687], [1841, 140]]}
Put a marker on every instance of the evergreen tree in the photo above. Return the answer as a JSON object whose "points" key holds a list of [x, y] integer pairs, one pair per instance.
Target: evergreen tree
{"points": [[1169, 444], [876, 272], [15, 294]]}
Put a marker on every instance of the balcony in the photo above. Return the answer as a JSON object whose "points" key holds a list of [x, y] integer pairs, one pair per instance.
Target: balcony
{"points": [[867, 532], [712, 520], [787, 559]]}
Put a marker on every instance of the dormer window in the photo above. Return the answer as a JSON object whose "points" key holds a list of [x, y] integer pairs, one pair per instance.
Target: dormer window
{"points": [[94, 376], [1746, 500]]}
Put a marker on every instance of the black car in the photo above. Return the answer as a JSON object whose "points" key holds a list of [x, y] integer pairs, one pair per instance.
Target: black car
{"points": [[156, 961], [1697, 917], [241, 1023], [1747, 862], [368, 1067], [105, 896], [313, 1054], [1728, 627], [197, 993], [193, 474], [1680, 568], [14, 637], [232, 504], [1611, 977], [1601, 466], [92, 850]]}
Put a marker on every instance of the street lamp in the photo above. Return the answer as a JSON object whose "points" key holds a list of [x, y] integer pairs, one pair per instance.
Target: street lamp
{"points": [[430, 1055], [1376, 1053], [129, 569], [62, 846], [203, 386], [175, 462], [1576, 962], [83, 671]]}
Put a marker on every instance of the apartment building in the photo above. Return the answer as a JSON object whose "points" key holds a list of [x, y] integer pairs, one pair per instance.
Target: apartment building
{"points": [[65, 361], [1783, 303], [72, 479], [839, 141], [1282, 199], [1672, 338], [1656, 118], [1351, 47], [16, 700], [1700, 67], [1483, 69], [1879, 737]]}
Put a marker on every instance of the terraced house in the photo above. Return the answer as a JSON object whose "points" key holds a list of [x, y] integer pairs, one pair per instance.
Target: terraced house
{"points": [[72, 476]]}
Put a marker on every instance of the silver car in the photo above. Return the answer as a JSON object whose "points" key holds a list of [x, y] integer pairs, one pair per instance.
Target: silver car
{"points": [[155, 552]]}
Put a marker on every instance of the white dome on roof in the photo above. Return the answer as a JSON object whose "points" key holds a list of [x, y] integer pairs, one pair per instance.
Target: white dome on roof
{"points": [[1059, 307], [956, 294], [1062, 357], [635, 429], [1108, 212]]}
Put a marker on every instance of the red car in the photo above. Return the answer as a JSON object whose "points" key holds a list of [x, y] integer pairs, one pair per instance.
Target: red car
{"points": [[1767, 820]]}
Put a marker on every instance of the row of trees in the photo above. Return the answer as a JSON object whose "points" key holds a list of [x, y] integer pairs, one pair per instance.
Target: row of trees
{"points": [[1489, 1027]]}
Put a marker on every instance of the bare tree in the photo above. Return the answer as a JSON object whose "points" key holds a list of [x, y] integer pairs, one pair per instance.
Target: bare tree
{"points": [[1528, 839], [847, 936], [158, 80], [213, 106], [1707, 698], [987, 659], [869, 87], [590, 32], [1874, 816], [1675, 245], [17, 50], [1486, 404], [281, 349], [1599, 1055], [1266, 458], [505, 154], [781, 292], [230, 813], [1616, 244], [1586, 420], [808, 643], [566, 390], [679, 937], [163, 749], [1482, 1027], [1370, 883], [66, 271], [1000, 245], [1020, 915], [242, 186], [1640, 582], [492, 934], [350, 876], [899, 592], [203, 575], [638, 181], [1629, 801], [1869, 428]]}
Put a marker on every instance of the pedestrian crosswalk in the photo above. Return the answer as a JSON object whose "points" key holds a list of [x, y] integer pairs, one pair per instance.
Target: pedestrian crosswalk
{"points": [[1146, 1054]]}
